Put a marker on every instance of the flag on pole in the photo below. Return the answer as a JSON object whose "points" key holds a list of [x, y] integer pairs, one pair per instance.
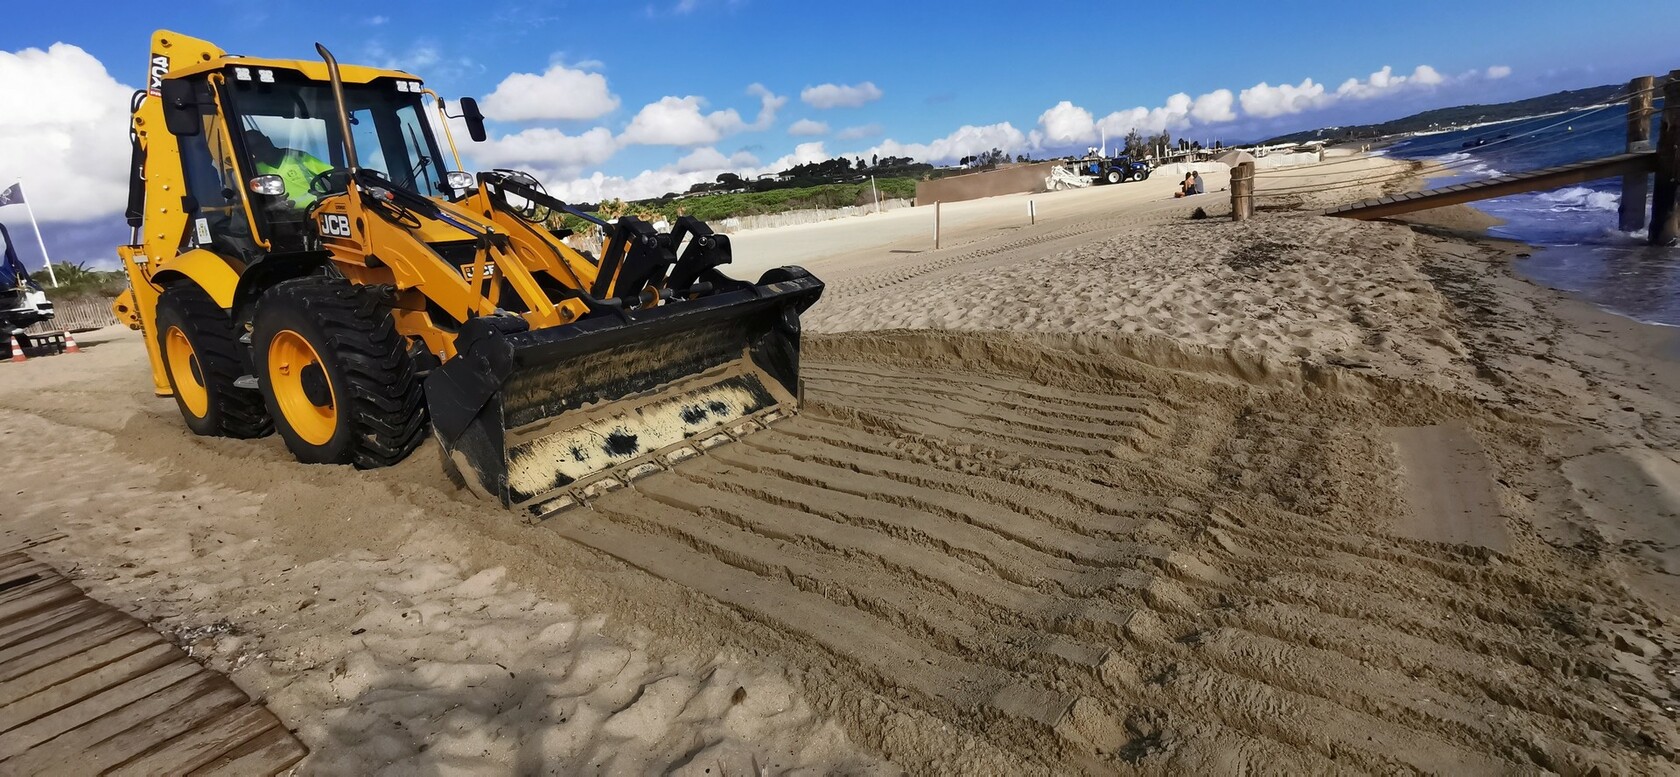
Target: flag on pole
{"points": [[12, 194]]}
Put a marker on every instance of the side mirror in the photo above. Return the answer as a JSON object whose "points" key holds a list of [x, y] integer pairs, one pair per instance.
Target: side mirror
{"points": [[475, 119], [180, 107]]}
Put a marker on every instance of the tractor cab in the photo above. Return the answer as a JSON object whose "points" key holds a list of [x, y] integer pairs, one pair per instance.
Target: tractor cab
{"points": [[22, 301], [261, 146]]}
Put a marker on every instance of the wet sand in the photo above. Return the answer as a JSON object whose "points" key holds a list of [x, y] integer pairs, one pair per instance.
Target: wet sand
{"points": [[1119, 491]]}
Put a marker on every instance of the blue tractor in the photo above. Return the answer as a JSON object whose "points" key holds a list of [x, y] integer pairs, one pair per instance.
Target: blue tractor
{"points": [[1113, 169]]}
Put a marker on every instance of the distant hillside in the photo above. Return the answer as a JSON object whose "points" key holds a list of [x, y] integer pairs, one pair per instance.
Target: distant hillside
{"points": [[1462, 115]]}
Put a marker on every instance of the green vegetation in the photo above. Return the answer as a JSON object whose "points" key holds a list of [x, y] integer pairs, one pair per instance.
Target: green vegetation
{"points": [[78, 280]]}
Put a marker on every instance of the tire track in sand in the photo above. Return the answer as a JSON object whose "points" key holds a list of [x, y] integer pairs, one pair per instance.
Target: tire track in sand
{"points": [[1053, 562]]}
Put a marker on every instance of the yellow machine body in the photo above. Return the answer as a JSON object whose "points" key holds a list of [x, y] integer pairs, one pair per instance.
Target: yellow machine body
{"points": [[548, 372]]}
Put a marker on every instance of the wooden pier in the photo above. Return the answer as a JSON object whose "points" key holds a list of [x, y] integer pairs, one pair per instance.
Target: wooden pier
{"points": [[86, 689], [1538, 180], [1635, 167]]}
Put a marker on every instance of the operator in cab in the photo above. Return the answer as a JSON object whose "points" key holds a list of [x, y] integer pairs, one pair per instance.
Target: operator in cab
{"points": [[296, 168]]}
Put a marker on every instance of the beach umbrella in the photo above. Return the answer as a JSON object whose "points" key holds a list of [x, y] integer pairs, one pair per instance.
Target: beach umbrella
{"points": [[1234, 157]]}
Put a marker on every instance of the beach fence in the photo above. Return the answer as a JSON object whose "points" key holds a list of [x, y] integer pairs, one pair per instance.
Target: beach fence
{"points": [[77, 315]]}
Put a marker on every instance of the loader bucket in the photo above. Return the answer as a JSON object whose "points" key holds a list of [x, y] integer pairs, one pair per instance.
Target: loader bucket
{"points": [[542, 419]]}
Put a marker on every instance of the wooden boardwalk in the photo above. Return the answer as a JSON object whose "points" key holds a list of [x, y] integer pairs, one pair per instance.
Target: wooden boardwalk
{"points": [[1537, 180], [85, 689]]}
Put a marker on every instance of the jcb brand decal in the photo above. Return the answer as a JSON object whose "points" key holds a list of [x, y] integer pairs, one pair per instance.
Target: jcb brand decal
{"points": [[335, 225], [489, 270], [160, 68]]}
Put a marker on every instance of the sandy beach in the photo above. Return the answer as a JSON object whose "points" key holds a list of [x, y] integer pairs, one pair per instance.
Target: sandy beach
{"points": [[1118, 491]]}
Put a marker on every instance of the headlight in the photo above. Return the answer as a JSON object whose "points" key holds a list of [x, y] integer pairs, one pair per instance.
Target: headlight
{"points": [[271, 185], [459, 180]]}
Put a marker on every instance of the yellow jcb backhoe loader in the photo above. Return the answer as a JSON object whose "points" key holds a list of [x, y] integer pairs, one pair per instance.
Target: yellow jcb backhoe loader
{"points": [[305, 258]]}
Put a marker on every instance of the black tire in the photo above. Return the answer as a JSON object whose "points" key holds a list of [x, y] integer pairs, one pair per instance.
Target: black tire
{"points": [[219, 408], [378, 409], [1112, 176], [1141, 175]]}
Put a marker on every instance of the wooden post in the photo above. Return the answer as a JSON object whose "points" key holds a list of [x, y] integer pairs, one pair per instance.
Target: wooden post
{"points": [[1636, 186], [1032, 213], [1242, 191], [1665, 219], [936, 225]]}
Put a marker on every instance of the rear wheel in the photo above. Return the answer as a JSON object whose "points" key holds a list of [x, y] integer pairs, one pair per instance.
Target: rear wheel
{"points": [[201, 358], [1113, 176], [335, 374]]}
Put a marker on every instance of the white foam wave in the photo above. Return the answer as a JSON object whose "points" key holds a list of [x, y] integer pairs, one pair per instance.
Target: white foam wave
{"points": [[1579, 198]]}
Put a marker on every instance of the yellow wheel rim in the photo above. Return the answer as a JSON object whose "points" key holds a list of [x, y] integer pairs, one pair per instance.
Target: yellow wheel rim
{"points": [[184, 369], [298, 378]]}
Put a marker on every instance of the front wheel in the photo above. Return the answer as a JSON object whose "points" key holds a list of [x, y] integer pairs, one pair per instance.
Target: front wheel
{"points": [[335, 374], [201, 359]]}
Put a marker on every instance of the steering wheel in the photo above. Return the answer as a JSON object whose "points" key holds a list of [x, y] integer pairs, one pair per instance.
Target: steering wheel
{"points": [[329, 182]]}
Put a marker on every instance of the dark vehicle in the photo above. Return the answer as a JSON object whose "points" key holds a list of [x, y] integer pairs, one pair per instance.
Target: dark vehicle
{"points": [[1114, 169], [22, 301]]}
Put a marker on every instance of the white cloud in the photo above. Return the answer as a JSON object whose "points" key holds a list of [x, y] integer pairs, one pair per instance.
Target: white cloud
{"points": [[376, 21], [679, 121], [559, 93], [1498, 71], [551, 151], [1265, 101], [1213, 107], [966, 140], [807, 128], [66, 134], [1384, 82], [768, 104], [1067, 123], [860, 131], [840, 95]]}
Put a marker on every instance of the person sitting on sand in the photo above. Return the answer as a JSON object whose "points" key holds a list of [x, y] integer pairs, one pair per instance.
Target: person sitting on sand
{"points": [[1186, 187]]}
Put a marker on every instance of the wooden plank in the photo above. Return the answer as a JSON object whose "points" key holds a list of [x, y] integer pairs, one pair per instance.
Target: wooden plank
{"points": [[15, 596], [76, 627], [71, 664], [270, 752], [38, 600], [19, 565], [96, 698], [114, 630], [132, 729], [12, 585], [27, 627], [1549, 178], [200, 746]]}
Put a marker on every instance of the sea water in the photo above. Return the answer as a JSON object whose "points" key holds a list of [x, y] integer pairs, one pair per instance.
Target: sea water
{"points": [[1578, 247]]}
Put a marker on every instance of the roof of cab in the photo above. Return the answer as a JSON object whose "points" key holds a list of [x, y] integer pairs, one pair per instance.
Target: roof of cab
{"points": [[179, 55]]}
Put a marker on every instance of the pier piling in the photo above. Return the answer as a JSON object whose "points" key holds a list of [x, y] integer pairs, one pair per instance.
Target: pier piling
{"points": [[1665, 220], [1636, 186]]}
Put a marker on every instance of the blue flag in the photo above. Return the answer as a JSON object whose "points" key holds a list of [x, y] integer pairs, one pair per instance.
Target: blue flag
{"points": [[12, 194]]}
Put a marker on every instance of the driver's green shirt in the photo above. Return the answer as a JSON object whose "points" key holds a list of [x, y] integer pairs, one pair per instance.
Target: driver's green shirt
{"points": [[296, 169]]}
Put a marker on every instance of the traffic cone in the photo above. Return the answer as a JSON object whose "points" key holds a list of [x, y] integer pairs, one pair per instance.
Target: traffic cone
{"points": [[17, 351], [70, 343]]}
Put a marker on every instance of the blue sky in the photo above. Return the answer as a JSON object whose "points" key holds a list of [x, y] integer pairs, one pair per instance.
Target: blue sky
{"points": [[636, 98]]}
